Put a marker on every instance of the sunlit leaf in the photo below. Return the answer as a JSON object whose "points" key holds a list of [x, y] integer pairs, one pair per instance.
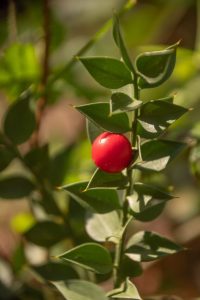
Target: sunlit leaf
{"points": [[147, 202], [99, 114], [104, 179], [121, 102], [120, 43], [127, 291], [148, 246], [156, 67], [90, 256], [101, 227], [156, 116], [157, 154], [109, 72], [101, 200], [80, 290]]}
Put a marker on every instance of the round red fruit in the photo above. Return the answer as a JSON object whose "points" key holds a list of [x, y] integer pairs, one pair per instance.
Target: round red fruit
{"points": [[111, 152]]}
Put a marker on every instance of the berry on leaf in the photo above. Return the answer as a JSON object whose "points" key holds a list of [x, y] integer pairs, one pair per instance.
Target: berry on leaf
{"points": [[111, 152]]}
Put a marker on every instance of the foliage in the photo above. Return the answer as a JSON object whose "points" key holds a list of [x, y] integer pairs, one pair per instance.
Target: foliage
{"points": [[85, 234]]}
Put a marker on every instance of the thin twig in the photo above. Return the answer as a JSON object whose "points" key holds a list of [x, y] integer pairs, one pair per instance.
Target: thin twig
{"points": [[12, 22], [45, 73]]}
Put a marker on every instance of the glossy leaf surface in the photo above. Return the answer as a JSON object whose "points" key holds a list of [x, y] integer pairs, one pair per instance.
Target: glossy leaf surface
{"points": [[121, 102], [157, 154], [101, 200], [156, 116], [147, 202], [104, 179], [109, 72], [148, 246], [101, 227], [80, 290], [90, 256], [99, 114]]}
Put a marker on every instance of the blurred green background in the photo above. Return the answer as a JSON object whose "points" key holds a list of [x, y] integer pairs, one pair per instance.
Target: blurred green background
{"points": [[149, 25]]}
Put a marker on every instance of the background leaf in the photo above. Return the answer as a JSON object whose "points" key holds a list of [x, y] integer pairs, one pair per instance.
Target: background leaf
{"points": [[20, 122], [109, 72], [148, 246], [6, 156], [19, 64], [157, 154], [101, 200], [14, 187], [80, 290], [90, 256], [46, 233], [99, 114], [55, 271], [101, 227]]}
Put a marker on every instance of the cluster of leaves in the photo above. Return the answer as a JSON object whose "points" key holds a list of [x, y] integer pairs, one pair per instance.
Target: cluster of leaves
{"points": [[110, 202], [113, 200]]}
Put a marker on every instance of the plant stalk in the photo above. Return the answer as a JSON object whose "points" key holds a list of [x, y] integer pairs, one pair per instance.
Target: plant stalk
{"points": [[118, 279]]}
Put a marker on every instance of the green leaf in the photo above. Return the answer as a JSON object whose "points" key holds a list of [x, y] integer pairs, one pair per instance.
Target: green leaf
{"points": [[18, 259], [80, 290], [59, 165], [14, 187], [130, 268], [38, 160], [117, 35], [90, 256], [121, 102], [19, 64], [6, 156], [109, 72], [54, 271], [20, 122], [46, 233], [157, 154], [101, 200], [148, 246], [156, 116], [126, 291], [101, 227], [93, 131], [147, 202], [104, 179], [49, 204], [155, 67], [99, 114]]}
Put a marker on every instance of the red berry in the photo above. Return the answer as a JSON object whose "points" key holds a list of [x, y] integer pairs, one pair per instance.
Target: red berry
{"points": [[111, 152]]}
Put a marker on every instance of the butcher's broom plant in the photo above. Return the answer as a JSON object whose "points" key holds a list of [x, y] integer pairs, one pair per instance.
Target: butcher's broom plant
{"points": [[127, 137]]}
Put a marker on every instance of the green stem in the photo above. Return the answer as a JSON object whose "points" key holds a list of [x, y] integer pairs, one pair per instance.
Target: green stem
{"points": [[118, 279]]}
